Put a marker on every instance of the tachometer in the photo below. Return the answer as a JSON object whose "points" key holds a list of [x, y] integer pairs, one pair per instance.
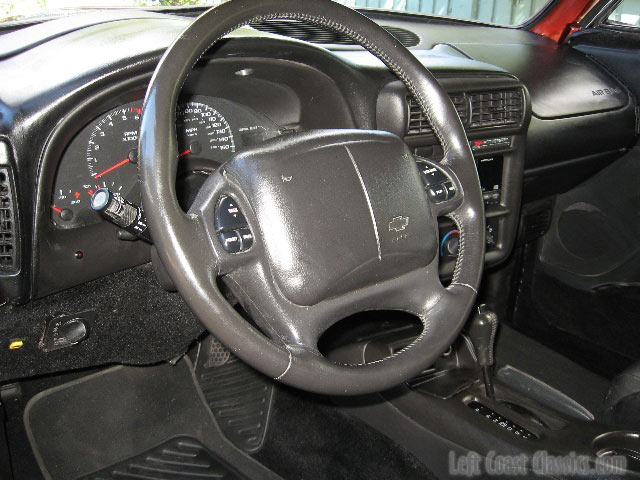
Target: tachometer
{"points": [[112, 150], [103, 154]]}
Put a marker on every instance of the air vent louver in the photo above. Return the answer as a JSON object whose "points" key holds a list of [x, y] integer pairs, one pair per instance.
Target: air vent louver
{"points": [[310, 32], [7, 222], [498, 108], [405, 37], [418, 123]]}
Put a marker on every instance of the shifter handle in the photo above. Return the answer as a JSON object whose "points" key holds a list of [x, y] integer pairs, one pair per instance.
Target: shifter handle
{"points": [[482, 332]]}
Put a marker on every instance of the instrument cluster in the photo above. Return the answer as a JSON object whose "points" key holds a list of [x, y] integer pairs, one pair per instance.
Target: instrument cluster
{"points": [[104, 154]]}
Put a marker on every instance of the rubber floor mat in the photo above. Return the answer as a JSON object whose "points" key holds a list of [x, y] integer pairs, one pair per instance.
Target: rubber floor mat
{"points": [[103, 419], [182, 458]]}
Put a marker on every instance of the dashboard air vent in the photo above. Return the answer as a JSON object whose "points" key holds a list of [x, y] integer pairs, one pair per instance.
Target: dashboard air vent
{"points": [[7, 222], [418, 123], [405, 37], [497, 108], [317, 34]]}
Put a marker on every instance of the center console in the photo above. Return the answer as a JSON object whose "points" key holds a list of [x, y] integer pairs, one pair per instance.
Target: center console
{"points": [[495, 111], [446, 417]]}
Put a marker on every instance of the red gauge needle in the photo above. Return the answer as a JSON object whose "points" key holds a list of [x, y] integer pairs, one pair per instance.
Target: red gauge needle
{"points": [[56, 209], [110, 169], [184, 153]]}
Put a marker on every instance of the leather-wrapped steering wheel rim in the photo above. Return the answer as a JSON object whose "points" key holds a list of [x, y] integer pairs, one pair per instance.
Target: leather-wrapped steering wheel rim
{"points": [[180, 238]]}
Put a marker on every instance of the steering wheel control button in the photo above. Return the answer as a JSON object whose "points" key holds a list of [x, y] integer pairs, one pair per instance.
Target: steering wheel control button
{"points": [[246, 237], [450, 188], [232, 228], [233, 231], [431, 175], [230, 241], [228, 215], [437, 193], [438, 185]]}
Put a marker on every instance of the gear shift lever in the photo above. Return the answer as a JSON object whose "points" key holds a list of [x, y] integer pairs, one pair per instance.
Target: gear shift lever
{"points": [[482, 331]]}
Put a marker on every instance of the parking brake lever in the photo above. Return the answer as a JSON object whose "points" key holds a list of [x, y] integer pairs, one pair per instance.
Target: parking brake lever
{"points": [[482, 331]]}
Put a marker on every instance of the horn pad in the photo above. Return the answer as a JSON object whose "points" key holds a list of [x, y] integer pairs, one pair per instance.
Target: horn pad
{"points": [[337, 210]]}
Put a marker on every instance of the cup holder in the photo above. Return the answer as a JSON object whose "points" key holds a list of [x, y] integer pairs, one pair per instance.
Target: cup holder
{"points": [[626, 444]]}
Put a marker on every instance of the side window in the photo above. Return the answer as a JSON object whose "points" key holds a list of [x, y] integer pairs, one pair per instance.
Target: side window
{"points": [[626, 14]]}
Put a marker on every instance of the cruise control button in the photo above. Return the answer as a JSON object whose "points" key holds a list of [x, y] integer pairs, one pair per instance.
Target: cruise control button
{"points": [[450, 188], [230, 241], [246, 237], [228, 215], [437, 193]]}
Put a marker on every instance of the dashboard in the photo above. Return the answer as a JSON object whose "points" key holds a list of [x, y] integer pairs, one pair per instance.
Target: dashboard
{"points": [[69, 124]]}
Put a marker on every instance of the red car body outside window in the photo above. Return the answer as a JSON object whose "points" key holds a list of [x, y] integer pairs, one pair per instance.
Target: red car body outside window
{"points": [[563, 19]]}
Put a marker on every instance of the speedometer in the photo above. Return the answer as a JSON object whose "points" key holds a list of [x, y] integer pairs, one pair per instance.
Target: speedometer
{"points": [[203, 131]]}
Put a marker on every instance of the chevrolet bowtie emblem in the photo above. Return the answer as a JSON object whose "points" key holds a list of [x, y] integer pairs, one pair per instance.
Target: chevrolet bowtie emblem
{"points": [[398, 224]]}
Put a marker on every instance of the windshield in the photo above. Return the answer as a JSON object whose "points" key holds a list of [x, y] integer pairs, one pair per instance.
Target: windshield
{"points": [[501, 12]]}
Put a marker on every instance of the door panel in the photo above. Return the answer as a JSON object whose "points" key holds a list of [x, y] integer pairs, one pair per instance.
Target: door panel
{"points": [[580, 285]]}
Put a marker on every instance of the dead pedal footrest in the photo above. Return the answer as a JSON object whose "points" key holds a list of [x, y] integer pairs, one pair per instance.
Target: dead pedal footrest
{"points": [[239, 397]]}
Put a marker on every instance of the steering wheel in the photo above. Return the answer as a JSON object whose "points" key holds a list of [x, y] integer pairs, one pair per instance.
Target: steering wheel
{"points": [[309, 228]]}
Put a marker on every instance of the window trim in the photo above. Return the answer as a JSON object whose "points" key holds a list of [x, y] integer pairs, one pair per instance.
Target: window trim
{"points": [[600, 20]]}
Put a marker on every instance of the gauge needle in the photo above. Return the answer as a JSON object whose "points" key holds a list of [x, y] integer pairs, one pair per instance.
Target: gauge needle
{"points": [[110, 169], [184, 153]]}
